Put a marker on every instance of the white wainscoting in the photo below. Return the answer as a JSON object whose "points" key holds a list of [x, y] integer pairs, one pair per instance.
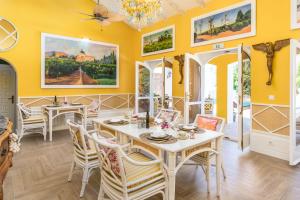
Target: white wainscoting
{"points": [[270, 144]]}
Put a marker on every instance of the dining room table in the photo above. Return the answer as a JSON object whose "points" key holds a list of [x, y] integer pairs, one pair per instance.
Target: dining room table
{"points": [[131, 132], [53, 111]]}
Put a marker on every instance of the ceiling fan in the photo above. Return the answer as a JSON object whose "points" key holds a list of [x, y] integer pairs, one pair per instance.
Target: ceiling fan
{"points": [[103, 16]]}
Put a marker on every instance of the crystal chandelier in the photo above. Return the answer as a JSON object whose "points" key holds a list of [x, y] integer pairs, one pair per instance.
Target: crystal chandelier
{"points": [[141, 12]]}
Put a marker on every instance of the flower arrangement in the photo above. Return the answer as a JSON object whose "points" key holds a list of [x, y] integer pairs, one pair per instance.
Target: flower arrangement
{"points": [[165, 125]]}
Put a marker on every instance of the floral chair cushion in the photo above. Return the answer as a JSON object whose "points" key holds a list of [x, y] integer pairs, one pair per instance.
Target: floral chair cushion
{"points": [[113, 157], [169, 116]]}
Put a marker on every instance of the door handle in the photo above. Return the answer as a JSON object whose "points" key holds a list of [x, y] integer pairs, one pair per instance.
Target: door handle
{"points": [[12, 98]]}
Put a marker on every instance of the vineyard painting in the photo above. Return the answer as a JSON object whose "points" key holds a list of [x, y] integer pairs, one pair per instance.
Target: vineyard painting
{"points": [[231, 23], [160, 41], [78, 63]]}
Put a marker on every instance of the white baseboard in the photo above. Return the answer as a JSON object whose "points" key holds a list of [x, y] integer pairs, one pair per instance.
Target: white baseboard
{"points": [[270, 144]]}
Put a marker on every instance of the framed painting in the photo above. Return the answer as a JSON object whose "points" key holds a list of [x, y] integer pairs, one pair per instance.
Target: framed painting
{"points": [[295, 14], [234, 22], [159, 41], [78, 63]]}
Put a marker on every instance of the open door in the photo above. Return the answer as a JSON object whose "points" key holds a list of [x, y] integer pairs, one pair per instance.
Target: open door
{"points": [[295, 103], [244, 97], [143, 88], [193, 88]]}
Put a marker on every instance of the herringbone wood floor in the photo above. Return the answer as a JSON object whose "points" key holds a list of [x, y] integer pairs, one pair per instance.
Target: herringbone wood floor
{"points": [[41, 168]]}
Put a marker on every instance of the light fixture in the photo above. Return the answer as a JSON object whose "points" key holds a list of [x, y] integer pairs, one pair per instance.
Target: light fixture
{"points": [[141, 12]]}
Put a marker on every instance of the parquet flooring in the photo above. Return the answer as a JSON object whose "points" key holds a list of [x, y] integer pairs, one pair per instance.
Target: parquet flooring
{"points": [[41, 168]]}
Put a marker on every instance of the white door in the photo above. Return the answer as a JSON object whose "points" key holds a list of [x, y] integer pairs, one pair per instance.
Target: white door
{"points": [[7, 91], [193, 88], [143, 88], [295, 103], [244, 100]]}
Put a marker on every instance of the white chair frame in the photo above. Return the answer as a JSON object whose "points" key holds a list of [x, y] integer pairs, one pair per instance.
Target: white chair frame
{"points": [[87, 161], [35, 121], [89, 119], [110, 182], [205, 163]]}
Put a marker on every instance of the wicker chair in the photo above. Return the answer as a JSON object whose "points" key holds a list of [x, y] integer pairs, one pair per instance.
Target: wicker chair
{"points": [[85, 155], [93, 111], [171, 116], [204, 159], [128, 176], [30, 121]]}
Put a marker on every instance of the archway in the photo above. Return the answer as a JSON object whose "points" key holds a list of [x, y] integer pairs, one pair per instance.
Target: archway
{"points": [[8, 91]]}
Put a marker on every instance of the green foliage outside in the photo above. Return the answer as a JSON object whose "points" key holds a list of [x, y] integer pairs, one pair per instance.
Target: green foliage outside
{"points": [[164, 41], [145, 82], [298, 76], [246, 78]]}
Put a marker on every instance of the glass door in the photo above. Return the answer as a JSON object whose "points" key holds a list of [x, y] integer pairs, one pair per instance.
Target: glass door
{"points": [[295, 103], [244, 97], [143, 88], [193, 88]]}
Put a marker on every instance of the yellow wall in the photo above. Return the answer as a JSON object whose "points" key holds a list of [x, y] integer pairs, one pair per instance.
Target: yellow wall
{"points": [[273, 23], [61, 17], [222, 62]]}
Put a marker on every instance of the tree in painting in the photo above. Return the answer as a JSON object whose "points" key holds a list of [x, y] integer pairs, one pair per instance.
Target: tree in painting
{"points": [[159, 41], [228, 23]]}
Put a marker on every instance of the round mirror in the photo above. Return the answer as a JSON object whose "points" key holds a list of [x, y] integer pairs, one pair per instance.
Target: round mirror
{"points": [[8, 35]]}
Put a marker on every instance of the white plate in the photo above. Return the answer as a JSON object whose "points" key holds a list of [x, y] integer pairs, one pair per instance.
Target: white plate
{"points": [[188, 127], [115, 120], [158, 134]]}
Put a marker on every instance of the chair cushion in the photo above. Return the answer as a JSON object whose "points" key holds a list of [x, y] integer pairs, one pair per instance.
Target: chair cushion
{"points": [[134, 172], [92, 113], [34, 119], [207, 123], [113, 157]]}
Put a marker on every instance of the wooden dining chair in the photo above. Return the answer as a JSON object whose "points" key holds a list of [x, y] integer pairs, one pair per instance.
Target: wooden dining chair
{"points": [[204, 159], [131, 175], [30, 121]]}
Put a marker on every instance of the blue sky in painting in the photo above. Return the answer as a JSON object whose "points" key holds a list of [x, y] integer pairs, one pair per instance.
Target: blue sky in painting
{"points": [[73, 47], [219, 18]]}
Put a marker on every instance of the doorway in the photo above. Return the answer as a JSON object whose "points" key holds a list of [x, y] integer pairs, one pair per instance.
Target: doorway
{"points": [[295, 105], [226, 89], [8, 91]]}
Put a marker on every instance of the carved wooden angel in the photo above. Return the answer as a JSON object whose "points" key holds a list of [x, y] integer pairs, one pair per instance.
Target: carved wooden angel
{"points": [[180, 59], [269, 48]]}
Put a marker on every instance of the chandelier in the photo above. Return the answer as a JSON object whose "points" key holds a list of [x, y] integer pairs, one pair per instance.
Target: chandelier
{"points": [[141, 12]]}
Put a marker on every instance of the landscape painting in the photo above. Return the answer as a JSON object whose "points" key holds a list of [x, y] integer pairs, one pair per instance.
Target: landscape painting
{"points": [[159, 41], [78, 63], [295, 6], [231, 23]]}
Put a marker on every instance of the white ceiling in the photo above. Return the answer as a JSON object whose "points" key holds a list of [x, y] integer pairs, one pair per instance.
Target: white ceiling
{"points": [[169, 7]]}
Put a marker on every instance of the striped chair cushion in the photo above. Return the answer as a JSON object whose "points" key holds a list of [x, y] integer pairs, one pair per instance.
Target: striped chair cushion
{"points": [[33, 119]]}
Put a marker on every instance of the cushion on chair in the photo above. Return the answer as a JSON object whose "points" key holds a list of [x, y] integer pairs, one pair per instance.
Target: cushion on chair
{"points": [[25, 115], [134, 172], [113, 157], [207, 123], [34, 119], [80, 142]]}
